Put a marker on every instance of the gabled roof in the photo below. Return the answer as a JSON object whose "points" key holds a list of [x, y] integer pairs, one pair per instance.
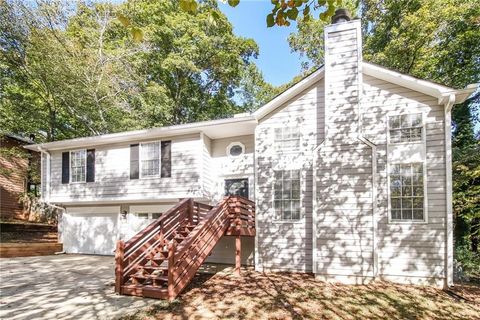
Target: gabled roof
{"points": [[442, 93], [237, 126], [244, 124]]}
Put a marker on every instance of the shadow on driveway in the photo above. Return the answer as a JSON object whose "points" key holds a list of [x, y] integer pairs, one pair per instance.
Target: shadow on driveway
{"points": [[62, 287]]}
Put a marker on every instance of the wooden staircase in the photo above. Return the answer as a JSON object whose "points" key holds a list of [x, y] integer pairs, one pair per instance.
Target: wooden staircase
{"points": [[162, 259]]}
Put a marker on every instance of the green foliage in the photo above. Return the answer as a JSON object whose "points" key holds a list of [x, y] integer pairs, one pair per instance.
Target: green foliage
{"points": [[308, 41], [93, 68], [283, 11]]}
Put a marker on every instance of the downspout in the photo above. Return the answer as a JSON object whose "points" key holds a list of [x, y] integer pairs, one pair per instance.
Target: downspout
{"points": [[448, 192], [374, 203]]}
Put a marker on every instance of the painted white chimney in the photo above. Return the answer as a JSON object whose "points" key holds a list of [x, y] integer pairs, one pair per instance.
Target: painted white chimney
{"points": [[343, 76]]}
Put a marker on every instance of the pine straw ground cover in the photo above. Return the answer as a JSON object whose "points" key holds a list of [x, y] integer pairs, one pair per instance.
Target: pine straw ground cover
{"points": [[298, 296]]}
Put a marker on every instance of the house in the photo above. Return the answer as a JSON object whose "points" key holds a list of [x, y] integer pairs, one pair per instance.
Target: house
{"points": [[349, 169], [15, 177]]}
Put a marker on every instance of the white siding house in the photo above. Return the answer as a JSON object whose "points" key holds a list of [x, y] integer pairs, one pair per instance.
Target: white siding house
{"points": [[350, 170]]}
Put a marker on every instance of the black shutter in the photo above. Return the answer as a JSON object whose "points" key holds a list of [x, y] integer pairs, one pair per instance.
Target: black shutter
{"points": [[166, 170], [65, 167], [91, 165], [134, 163]]}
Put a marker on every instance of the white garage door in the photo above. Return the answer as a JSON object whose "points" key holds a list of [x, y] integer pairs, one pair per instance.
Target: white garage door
{"points": [[90, 233]]}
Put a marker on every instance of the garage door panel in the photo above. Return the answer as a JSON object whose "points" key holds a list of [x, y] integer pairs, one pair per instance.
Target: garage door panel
{"points": [[90, 233]]}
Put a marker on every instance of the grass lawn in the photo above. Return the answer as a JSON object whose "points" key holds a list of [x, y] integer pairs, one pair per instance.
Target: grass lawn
{"points": [[298, 296]]}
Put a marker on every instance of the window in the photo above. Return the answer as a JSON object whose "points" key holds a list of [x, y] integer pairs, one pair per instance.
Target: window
{"points": [[287, 139], [78, 165], [156, 215], [407, 192], [235, 149], [142, 215], [149, 159], [287, 194], [405, 128]]}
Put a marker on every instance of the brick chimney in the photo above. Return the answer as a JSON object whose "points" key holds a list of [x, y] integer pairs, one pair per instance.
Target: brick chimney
{"points": [[343, 76]]}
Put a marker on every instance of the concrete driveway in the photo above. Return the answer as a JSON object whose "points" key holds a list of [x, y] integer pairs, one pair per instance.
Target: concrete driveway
{"points": [[62, 287]]}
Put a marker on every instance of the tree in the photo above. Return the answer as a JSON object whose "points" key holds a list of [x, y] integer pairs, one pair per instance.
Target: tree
{"points": [[59, 80], [308, 41], [283, 11], [75, 70]]}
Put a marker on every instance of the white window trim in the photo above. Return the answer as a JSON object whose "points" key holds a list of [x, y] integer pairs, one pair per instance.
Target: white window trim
{"points": [[237, 143], [393, 114], [302, 197], [279, 150], [141, 176], [70, 166], [425, 198]]}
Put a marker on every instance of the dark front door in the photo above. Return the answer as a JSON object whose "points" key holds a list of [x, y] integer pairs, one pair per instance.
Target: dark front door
{"points": [[237, 187]]}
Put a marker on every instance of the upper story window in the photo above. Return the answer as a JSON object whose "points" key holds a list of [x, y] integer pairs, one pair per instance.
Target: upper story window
{"points": [[78, 166], [287, 139], [287, 194], [150, 159], [405, 128], [407, 192]]}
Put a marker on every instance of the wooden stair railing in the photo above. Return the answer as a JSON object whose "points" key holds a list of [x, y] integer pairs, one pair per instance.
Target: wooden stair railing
{"points": [[135, 252], [183, 237]]}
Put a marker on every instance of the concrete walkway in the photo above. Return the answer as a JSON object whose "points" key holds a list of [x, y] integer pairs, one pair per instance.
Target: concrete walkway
{"points": [[62, 287]]}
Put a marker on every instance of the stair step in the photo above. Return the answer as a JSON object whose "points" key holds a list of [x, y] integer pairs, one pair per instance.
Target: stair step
{"points": [[156, 281], [145, 291], [150, 277], [151, 269]]}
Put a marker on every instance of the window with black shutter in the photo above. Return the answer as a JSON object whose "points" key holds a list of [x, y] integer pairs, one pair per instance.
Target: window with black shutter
{"points": [[91, 165], [65, 167], [166, 163], [134, 161]]}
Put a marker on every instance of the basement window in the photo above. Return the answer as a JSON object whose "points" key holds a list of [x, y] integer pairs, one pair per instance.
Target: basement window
{"points": [[287, 194], [405, 128], [407, 192]]}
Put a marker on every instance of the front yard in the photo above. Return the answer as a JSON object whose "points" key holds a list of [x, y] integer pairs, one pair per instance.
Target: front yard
{"points": [[80, 287], [299, 296]]}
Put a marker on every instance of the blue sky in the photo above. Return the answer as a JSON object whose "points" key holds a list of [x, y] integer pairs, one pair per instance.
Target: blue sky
{"points": [[276, 62]]}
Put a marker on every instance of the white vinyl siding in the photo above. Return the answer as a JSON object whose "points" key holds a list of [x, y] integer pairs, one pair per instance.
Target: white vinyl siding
{"points": [[150, 159], [404, 246], [78, 166], [286, 195], [405, 128], [112, 175], [407, 192], [286, 245]]}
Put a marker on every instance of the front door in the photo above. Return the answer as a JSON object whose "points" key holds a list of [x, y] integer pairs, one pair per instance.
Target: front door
{"points": [[237, 187]]}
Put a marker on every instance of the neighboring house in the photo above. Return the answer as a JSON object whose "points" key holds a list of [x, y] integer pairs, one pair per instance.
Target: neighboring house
{"points": [[15, 180], [350, 170]]}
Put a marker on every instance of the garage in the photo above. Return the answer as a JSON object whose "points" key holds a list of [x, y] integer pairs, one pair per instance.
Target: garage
{"points": [[90, 230]]}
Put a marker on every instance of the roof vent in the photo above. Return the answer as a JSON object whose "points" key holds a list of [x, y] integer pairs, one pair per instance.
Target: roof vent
{"points": [[341, 15]]}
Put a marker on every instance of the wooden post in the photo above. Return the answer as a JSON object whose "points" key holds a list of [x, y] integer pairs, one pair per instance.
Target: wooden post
{"points": [[171, 264], [190, 211], [119, 256], [238, 254]]}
